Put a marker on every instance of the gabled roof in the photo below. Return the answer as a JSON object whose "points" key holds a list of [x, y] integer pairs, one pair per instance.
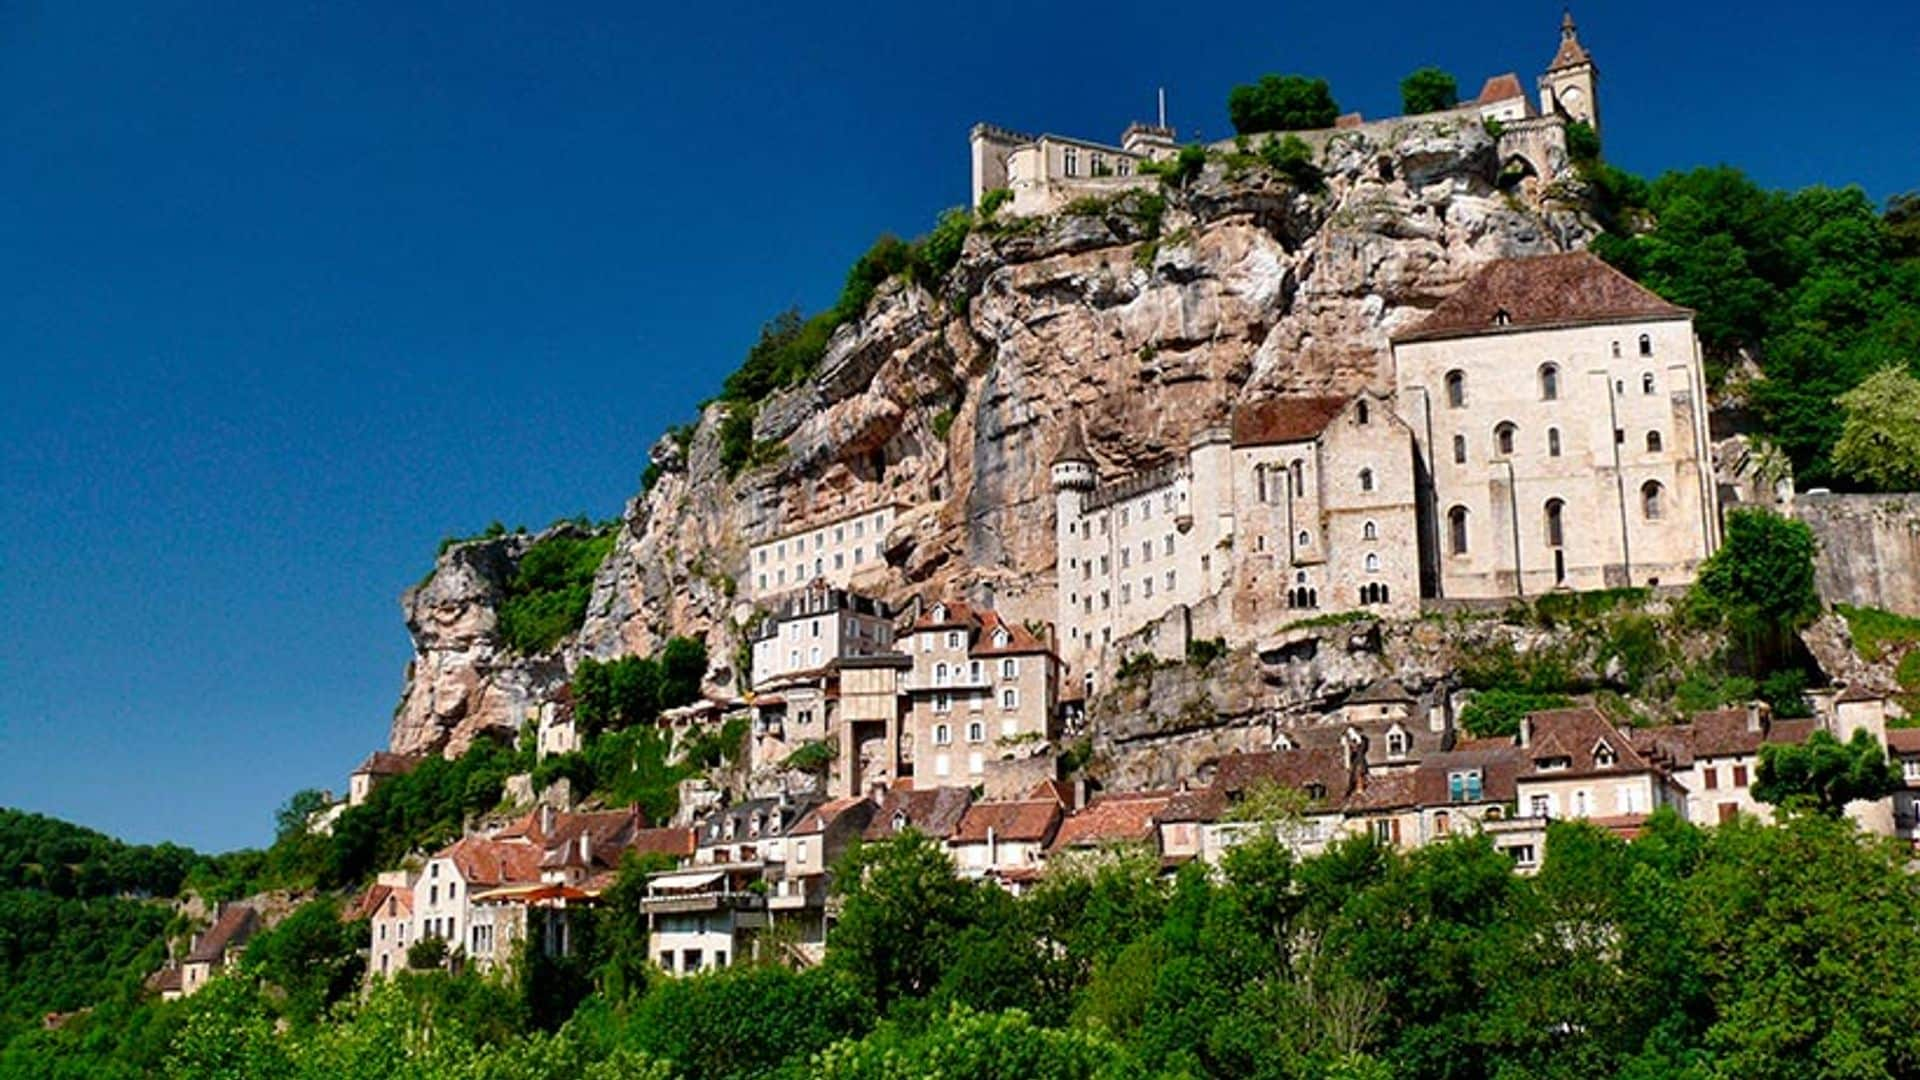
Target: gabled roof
{"points": [[235, 925], [821, 817], [1573, 735], [1381, 692], [387, 763], [374, 901], [165, 981], [934, 812], [1205, 804], [1031, 821], [1500, 88], [1301, 768], [1498, 761], [1112, 819], [1384, 791], [483, 861], [1020, 640], [678, 843], [1284, 420], [1541, 292]]}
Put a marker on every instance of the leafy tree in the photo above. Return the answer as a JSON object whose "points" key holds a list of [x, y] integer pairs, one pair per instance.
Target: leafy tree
{"points": [[1496, 713], [902, 907], [615, 693], [1292, 158], [311, 956], [292, 817], [1879, 444], [983, 1046], [1761, 581], [1428, 89], [744, 1021], [427, 954], [1824, 773], [1282, 103], [683, 667], [546, 598], [1903, 225]]}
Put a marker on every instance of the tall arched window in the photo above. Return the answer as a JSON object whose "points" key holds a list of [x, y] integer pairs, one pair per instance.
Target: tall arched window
{"points": [[1653, 442], [1646, 345], [1556, 530], [1549, 382], [1360, 411], [1457, 530], [1366, 479], [1553, 442], [1459, 449], [1299, 477], [1369, 531], [1373, 563], [1652, 498], [1503, 438], [1646, 382], [1456, 389]]}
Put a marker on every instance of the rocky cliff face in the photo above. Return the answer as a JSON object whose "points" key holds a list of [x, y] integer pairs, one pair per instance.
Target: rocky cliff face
{"points": [[1148, 330]]}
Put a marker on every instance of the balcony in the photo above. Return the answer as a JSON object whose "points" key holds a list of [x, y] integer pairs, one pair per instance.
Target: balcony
{"points": [[726, 889]]}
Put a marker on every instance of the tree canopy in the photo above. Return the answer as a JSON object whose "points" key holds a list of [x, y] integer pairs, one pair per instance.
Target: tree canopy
{"points": [[1825, 774], [1761, 581], [1428, 89], [1282, 103], [1879, 444]]}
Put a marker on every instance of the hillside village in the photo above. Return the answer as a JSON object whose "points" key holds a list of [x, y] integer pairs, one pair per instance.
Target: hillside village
{"points": [[1538, 433], [1543, 429]]}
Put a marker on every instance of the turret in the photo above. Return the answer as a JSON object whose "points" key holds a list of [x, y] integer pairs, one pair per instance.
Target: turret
{"points": [[1569, 88], [1073, 468]]}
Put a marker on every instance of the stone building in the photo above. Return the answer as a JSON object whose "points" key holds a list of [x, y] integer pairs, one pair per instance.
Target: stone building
{"points": [[1304, 505], [833, 551], [1045, 172], [981, 699], [1560, 420]]}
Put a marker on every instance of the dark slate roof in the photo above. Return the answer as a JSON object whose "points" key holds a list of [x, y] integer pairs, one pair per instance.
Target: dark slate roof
{"points": [[234, 926], [934, 812], [1575, 289]]}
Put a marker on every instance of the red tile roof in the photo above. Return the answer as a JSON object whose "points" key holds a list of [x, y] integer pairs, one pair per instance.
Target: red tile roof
{"points": [[1112, 819], [1198, 804], [387, 763], [1575, 289], [1033, 821], [1904, 740], [1303, 768], [1284, 420], [481, 861], [235, 925], [1385, 791], [369, 903], [820, 817], [1571, 53], [934, 812], [166, 980], [1500, 88], [1574, 735], [678, 843]]}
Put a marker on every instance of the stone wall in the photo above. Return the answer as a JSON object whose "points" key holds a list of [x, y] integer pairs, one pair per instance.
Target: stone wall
{"points": [[1869, 548]]}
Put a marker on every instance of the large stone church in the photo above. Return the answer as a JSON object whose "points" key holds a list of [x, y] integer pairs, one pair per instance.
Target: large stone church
{"points": [[1547, 430]]}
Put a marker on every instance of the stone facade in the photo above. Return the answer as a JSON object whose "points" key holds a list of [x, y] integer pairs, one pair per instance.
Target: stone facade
{"points": [[1869, 548], [1045, 172], [832, 552], [1559, 412], [980, 693]]}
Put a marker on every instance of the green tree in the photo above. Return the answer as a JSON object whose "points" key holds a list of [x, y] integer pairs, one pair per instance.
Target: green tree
{"points": [[311, 957], [683, 667], [1497, 712], [1879, 444], [292, 817], [981, 1046], [1824, 773], [1761, 581], [744, 1021], [902, 908], [1428, 89], [1282, 103]]}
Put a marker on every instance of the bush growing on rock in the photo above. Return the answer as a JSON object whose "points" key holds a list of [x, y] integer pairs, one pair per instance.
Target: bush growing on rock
{"points": [[1282, 103]]}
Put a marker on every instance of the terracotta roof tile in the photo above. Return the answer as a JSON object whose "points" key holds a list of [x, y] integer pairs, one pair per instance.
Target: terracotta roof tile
{"points": [[1500, 88], [387, 763], [1110, 819], [235, 925], [1385, 791], [1570, 53], [1073, 444], [1205, 804], [483, 861], [1500, 763], [1284, 420], [1303, 768], [678, 843], [1904, 740], [934, 812], [1574, 735], [1574, 289], [1032, 821]]}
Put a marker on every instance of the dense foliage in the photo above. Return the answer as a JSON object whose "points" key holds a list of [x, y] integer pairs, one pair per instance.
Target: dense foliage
{"points": [[546, 599], [1761, 581], [1824, 773], [1428, 89], [1282, 103], [1879, 443], [1821, 290], [1748, 950], [59, 953], [423, 809]]}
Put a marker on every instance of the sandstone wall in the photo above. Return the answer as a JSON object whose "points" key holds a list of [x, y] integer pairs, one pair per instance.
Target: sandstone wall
{"points": [[1869, 548]]}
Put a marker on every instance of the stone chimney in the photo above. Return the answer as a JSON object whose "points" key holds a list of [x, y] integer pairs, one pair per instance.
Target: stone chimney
{"points": [[1526, 731], [1759, 716], [546, 820], [586, 847]]}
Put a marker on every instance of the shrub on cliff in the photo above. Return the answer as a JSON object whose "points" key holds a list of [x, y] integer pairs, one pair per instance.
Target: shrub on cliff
{"points": [[1879, 444], [1760, 583], [1282, 103], [1428, 89], [546, 599]]}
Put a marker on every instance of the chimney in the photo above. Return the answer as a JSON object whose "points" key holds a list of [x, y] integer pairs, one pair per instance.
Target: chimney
{"points": [[1526, 731], [546, 820], [1079, 794], [586, 847], [1759, 716]]}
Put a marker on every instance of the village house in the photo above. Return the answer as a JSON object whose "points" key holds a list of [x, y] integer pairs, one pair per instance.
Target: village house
{"points": [[834, 552], [379, 766], [1005, 842], [931, 812], [751, 832], [1580, 766], [1715, 756], [1113, 821], [387, 907], [982, 701], [704, 917], [218, 947], [797, 888]]}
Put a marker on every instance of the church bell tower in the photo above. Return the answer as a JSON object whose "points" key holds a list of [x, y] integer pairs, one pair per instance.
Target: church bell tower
{"points": [[1568, 88]]}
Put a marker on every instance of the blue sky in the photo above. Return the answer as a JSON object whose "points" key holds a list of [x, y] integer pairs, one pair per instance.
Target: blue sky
{"points": [[288, 292]]}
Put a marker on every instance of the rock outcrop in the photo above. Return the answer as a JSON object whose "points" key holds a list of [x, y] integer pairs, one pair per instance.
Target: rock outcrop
{"points": [[1148, 324]]}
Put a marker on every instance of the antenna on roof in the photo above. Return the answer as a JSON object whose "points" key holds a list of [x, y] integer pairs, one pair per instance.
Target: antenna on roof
{"points": [[1163, 106]]}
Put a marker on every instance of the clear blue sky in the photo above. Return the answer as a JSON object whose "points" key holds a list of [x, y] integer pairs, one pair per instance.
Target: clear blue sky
{"points": [[290, 291]]}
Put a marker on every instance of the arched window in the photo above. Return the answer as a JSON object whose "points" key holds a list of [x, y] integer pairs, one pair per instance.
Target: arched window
{"points": [[1369, 531], [1646, 345], [1456, 389], [1299, 476], [942, 735], [1459, 449], [1373, 563], [1646, 382], [1549, 382], [940, 674], [1553, 442], [1360, 412], [1503, 438], [1556, 529], [1652, 496], [1306, 539], [1366, 479], [1653, 442], [1440, 823], [1457, 530], [1616, 350]]}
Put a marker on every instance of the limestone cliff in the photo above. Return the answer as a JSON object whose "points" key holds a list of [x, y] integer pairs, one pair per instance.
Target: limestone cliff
{"points": [[1148, 326]]}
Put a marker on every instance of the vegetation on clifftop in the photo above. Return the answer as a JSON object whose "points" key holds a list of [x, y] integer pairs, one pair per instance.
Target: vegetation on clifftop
{"points": [[546, 599]]}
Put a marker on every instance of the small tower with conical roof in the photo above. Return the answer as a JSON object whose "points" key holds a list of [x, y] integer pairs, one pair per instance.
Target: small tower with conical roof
{"points": [[1073, 470], [1569, 88]]}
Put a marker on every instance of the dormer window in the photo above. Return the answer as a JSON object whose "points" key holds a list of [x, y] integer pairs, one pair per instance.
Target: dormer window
{"points": [[1553, 764], [1603, 755], [1398, 743], [1316, 790], [1463, 785], [1502, 317], [1001, 639], [939, 613], [899, 820]]}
